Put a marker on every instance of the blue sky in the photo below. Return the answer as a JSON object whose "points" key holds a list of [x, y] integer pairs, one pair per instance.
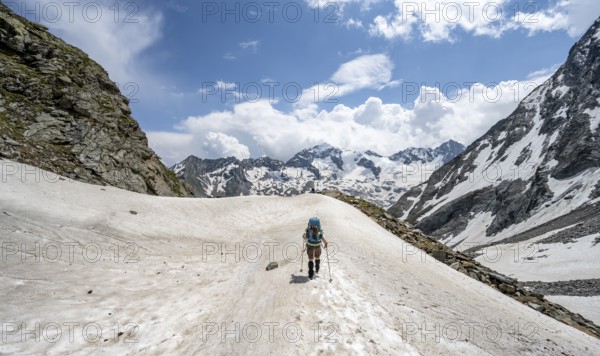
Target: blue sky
{"points": [[389, 74]]}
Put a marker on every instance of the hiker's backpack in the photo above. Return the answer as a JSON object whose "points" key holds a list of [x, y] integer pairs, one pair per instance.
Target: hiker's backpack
{"points": [[314, 239]]}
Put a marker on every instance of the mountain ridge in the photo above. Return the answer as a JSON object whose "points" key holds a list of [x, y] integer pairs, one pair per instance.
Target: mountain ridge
{"points": [[366, 174], [529, 188]]}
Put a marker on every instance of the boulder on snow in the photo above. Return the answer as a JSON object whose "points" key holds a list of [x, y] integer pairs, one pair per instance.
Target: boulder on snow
{"points": [[272, 265]]}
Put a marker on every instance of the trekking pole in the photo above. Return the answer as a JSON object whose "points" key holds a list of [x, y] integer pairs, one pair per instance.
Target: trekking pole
{"points": [[302, 258], [328, 265]]}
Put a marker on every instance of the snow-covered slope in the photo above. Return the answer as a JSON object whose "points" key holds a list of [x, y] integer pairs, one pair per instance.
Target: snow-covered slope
{"points": [[369, 175], [529, 189], [188, 276]]}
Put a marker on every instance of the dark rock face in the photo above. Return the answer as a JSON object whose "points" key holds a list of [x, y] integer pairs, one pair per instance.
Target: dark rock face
{"points": [[370, 165], [552, 135], [305, 158], [446, 151], [407, 200], [59, 111]]}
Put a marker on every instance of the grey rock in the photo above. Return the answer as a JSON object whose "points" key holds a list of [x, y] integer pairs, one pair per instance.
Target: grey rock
{"points": [[507, 288], [272, 265], [501, 278], [66, 116]]}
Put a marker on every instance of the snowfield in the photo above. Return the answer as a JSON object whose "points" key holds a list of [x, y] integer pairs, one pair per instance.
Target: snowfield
{"points": [[97, 269]]}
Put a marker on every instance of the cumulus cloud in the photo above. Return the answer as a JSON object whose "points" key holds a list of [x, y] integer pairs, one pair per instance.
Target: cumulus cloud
{"points": [[256, 129], [250, 45], [113, 34], [373, 71], [439, 20], [337, 7], [573, 16], [368, 71], [353, 23], [220, 144]]}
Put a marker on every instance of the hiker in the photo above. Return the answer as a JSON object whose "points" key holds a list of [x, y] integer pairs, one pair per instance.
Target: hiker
{"points": [[313, 235]]}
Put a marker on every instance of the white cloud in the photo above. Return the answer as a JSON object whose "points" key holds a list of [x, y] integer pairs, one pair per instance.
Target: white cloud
{"points": [[543, 73], [219, 85], [392, 27], [250, 45], [113, 34], [220, 144], [114, 38], [171, 146], [244, 47], [368, 71], [573, 16], [337, 7], [353, 23], [229, 56], [436, 117], [439, 20], [373, 71]]}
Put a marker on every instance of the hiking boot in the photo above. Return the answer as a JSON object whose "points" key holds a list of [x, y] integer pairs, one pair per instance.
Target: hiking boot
{"points": [[311, 272], [317, 262]]}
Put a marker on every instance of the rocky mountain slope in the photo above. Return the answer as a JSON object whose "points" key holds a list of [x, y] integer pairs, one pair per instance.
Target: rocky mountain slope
{"points": [[60, 111], [366, 174], [526, 293], [530, 185]]}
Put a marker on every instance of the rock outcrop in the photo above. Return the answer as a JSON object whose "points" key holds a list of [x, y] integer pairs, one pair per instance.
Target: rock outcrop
{"points": [[59, 111]]}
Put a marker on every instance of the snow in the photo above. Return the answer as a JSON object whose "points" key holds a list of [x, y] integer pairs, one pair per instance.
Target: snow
{"points": [[502, 136], [594, 118], [580, 305], [532, 261], [568, 195], [488, 174], [596, 35], [573, 192], [472, 235], [178, 168], [562, 112], [551, 164], [184, 297], [560, 91]]}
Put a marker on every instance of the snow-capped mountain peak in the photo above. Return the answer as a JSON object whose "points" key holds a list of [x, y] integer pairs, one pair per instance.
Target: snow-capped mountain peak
{"points": [[368, 175], [532, 180]]}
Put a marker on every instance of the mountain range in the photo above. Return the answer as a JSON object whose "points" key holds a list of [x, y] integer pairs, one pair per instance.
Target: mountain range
{"points": [[367, 174]]}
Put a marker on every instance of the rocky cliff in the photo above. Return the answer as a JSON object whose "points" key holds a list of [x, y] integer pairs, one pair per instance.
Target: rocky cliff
{"points": [[60, 111]]}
